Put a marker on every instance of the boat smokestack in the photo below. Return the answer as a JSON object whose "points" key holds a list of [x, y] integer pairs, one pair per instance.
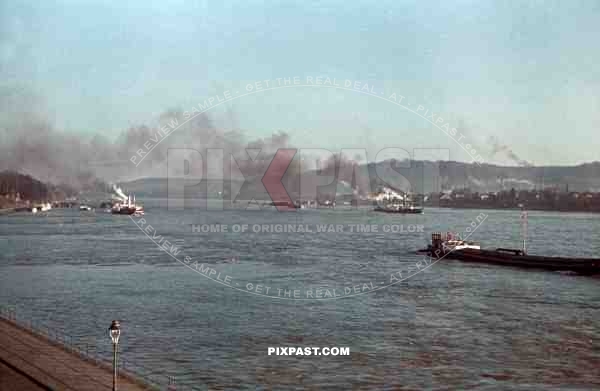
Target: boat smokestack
{"points": [[436, 243]]}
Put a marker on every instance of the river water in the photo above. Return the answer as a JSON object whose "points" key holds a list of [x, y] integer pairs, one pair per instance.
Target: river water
{"points": [[446, 325]]}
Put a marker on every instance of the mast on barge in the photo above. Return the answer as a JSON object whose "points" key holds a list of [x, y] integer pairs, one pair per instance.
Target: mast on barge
{"points": [[524, 230]]}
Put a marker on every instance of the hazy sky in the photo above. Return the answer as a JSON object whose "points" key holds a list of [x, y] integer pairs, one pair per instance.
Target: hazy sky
{"points": [[526, 74]]}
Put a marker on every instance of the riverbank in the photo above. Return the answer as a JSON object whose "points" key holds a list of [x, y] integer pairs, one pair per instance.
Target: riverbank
{"points": [[527, 207], [34, 359]]}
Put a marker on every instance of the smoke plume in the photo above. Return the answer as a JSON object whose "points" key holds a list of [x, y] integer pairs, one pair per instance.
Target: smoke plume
{"points": [[498, 148], [29, 144], [119, 192]]}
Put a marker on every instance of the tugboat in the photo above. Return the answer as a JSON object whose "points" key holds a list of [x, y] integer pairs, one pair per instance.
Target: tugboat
{"points": [[43, 207], [398, 208], [443, 245], [453, 242], [127, 208], [392, 201]]}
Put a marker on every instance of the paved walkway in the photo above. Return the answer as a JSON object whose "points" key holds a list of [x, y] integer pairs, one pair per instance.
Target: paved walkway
{"points": [[36, 361], [12, 379]]}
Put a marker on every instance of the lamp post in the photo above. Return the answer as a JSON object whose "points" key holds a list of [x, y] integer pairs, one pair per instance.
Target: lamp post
{"points": [[115, 332]]}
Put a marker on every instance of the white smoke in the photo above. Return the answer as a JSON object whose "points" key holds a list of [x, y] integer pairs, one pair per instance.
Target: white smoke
{"points": [[119, 193]]}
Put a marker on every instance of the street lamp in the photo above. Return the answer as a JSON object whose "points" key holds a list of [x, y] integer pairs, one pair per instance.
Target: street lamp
{"points": [[115, 332]]}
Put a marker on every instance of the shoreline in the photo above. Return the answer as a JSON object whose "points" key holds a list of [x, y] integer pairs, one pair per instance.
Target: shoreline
{"points": [[10, 211], [515, 208]]}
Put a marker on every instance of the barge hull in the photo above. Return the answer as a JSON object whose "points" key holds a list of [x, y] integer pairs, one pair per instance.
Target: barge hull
{"points": [[586, 266], [400, 211]]}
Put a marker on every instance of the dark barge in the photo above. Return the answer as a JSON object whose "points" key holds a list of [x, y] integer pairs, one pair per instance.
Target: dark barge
{"points": [[512, 257]]}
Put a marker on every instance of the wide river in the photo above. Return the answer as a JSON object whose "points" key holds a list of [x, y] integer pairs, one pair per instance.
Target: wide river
{"points": [[200, 310]]}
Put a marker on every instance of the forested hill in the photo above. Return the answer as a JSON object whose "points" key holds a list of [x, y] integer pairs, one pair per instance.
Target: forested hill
{"points": [[30, 188]]}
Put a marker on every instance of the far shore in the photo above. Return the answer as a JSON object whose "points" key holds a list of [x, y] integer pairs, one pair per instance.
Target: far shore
{"points": [[8, 211], [537, 209]]}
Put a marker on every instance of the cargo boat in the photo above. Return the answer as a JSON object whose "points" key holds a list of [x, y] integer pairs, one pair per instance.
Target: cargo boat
{"points": [[399, 209], [441, 247]]}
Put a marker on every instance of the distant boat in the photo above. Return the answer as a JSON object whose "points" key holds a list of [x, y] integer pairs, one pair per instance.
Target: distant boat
{"points": [[86, 208], [397, 208], [327, 204], [394, 201], [122, 210], [284, 204], [305, 204], [40, 208], [127, 208]]}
